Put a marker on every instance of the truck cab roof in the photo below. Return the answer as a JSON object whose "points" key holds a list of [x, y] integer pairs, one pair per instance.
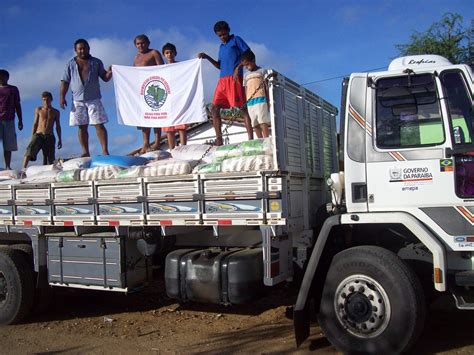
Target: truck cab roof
{"points": [[422, 61]]}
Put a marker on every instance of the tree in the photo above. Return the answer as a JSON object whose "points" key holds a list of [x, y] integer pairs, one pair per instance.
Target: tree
{"points": [[447, 38]]}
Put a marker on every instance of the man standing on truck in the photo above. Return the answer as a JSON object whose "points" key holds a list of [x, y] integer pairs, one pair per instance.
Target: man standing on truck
{"points": [[82, 74], [9, 104], [229, 91], [169, 52], [145, 57], [46, 117]]}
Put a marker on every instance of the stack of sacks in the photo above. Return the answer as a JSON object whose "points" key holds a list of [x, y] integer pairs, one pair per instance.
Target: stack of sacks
{"points": [[169, 167], [251, 155], [194, 152], [9, 177], [181, 161], [250, 163], [107, 167], [71, 169], [41, 173], [164, 167], [9, 174], [156, 155], [77, 163], [106, 172]]}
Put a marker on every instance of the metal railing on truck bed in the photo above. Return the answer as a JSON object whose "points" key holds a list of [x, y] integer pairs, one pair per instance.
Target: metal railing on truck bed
{"points": [[251, 198]]}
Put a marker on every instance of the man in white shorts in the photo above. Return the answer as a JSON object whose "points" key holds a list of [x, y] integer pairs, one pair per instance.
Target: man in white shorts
{"points": [[82, 75]]}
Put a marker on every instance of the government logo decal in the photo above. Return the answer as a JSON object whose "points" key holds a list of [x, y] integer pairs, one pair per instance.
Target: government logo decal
{"points": [[155, 91]]}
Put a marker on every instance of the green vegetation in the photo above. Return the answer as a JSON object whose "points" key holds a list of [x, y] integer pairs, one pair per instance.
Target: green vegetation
{"points": [[447, 37]]}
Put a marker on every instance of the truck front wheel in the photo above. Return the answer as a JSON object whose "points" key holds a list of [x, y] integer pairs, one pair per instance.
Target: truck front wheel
{"points": [[372, 302], [16, 286]]}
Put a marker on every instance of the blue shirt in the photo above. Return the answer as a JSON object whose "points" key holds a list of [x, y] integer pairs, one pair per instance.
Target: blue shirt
{"points": [[229, 55], [89, 90]]}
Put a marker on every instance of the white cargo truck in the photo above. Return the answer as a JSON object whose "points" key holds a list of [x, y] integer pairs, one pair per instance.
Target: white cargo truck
{"points": [[403, 208], [377, 242]]}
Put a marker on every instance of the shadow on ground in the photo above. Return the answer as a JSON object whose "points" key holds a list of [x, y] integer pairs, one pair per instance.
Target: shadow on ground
{"points": [[77, 303]]}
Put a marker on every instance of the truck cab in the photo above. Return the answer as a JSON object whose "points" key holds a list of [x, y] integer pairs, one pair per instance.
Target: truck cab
{"points": [[403, 206]]}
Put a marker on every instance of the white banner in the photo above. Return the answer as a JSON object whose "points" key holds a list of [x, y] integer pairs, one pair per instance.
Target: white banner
{"points": [[161, 95]]}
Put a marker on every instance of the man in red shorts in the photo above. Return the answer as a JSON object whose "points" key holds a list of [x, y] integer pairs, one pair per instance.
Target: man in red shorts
{"points": [[229, 91]]}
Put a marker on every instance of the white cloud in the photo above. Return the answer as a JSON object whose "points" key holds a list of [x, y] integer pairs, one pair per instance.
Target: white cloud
{"points": [[112, 50], [38, 71]]}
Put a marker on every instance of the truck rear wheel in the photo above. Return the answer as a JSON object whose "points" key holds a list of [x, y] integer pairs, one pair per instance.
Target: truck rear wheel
{"points": [[27, 251], [372, 302], [16, 286]]}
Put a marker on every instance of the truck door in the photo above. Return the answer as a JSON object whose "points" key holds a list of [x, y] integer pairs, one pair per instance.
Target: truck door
{"points": [[406, 163], [458, 91]]}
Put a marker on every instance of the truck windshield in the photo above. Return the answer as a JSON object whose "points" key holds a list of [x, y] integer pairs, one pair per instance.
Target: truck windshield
{"points": [[460, 108], [408, 113]]}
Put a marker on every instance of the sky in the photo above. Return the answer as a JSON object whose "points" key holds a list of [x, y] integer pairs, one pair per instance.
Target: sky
{"points": [[305, 40]]}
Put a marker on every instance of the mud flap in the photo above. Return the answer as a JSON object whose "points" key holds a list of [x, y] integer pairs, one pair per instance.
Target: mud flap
{"points": [[277, 257], [301, 324]]}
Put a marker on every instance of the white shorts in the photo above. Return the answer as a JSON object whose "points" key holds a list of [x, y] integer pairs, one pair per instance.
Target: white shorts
{"points": [[258, 114], [87, 112]]}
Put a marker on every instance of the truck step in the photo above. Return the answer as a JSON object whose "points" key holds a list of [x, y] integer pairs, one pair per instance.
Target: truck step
{"points": [[464, 298]]}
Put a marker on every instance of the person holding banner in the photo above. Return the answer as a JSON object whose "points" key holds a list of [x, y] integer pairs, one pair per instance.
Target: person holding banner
{"points": [[229, 91], [82, 73], [145, 57], [169, 52]]}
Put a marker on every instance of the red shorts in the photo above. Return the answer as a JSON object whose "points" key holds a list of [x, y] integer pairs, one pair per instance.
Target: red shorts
{"points": [[229, 93], [172, 129]]}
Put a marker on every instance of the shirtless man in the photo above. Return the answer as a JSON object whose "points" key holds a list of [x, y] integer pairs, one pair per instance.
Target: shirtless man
{"points": [[145, 57], [43, 138], [82, 74]]}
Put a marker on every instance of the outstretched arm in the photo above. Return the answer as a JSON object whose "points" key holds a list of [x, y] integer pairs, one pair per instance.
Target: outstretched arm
{"points": [[157, 56], [107, 74], [62, 93], [211, 60]]}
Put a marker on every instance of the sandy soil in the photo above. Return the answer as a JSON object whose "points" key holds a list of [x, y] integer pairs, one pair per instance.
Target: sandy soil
{"points": [[148, 322]]}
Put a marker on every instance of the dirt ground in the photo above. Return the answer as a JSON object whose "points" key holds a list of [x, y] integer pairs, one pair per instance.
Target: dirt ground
{"points": [[82, 321]]}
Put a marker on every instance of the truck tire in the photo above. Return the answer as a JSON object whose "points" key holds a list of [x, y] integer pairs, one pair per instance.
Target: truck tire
{"points": [[43, 297], [372, 302], [16, 286], [27, 251]]}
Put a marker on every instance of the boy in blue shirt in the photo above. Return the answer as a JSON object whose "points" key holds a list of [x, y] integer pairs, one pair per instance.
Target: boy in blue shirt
{"points": [[229, 90]]}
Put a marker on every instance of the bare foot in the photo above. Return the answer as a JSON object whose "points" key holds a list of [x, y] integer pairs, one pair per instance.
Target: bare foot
{"points": [[85, 155], [144, 149], [105, 152], [154, 146]]}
